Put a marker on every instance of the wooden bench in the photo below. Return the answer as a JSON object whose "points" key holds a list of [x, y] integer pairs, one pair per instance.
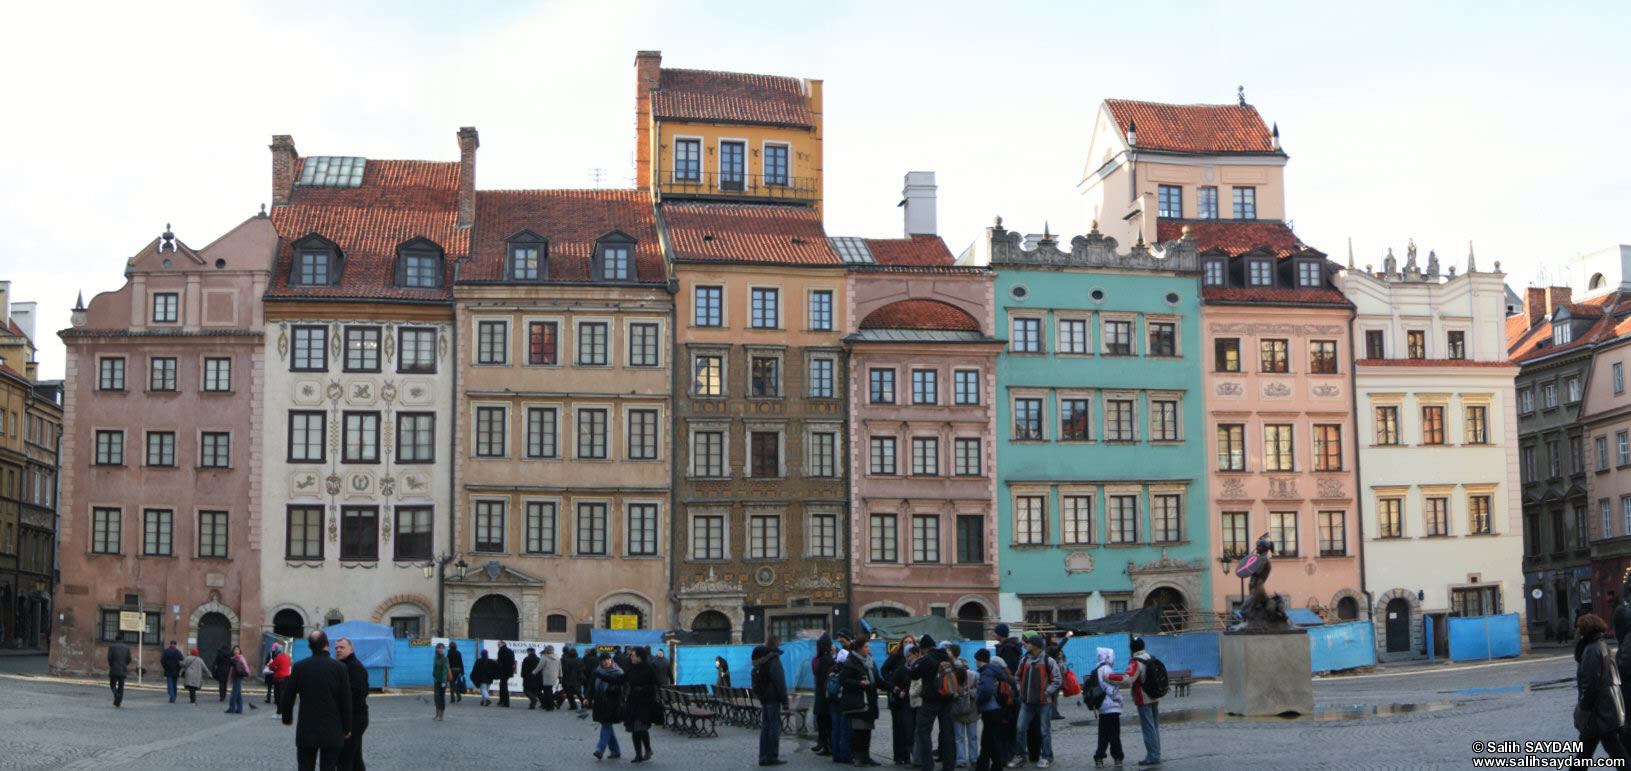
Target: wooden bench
{"points": [[688, 714], [1179, 680], [796, 713]]}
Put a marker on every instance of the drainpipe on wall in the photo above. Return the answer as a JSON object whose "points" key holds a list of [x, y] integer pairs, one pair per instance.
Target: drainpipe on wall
{"points": [[1359, 486]]}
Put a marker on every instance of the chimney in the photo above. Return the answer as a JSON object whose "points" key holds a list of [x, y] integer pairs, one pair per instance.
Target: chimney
{"points": [[919, 203], [648, 66], [1555, 296], [1534, 304], [23, 315], [468, 142], [283, 160]]}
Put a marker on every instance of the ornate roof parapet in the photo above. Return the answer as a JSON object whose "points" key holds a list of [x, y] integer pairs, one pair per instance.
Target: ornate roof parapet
{"points": [[1093, 250]]}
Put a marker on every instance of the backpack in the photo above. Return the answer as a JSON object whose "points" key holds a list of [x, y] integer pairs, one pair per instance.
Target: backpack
{"points": [[1155, 678], [964, 704], [834, 690], [946, 682], [1006, 697], [756, 680], [1095, 692]]}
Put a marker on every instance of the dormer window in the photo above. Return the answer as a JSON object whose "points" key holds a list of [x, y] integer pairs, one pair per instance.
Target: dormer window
{"points": [[316, 262], [614, 257], [528, 257], [419, 264], [1561, 334], [1212, 272], [1308, 274], [1260, 273]]}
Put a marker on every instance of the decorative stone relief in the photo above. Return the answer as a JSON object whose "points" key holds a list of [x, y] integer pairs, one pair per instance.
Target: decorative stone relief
{"points": [[308, 393], [333, 484], [416, 483], [1325, 391], [389, 342], [1233, 390], [764, 576], [387, 392], [335, 391], [416, 393], [1276, 390], [360, 394], [1329, 488], [814, 582], [359, 485], [333, 525], [714, 585], [1233, 487], [334, 342], [304, 483], [1078, 562], [1282, 487], [1246, 328], [441, 347], [387, 486], [282, 340]]}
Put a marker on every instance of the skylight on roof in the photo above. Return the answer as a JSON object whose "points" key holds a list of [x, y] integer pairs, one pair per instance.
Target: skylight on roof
{"points": [[852, 250], [333, 171]]}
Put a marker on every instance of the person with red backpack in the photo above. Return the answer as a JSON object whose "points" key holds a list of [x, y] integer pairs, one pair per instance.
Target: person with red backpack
{"points": [[1139, 675], [938, 675], [996, 694], [1039, 680]]}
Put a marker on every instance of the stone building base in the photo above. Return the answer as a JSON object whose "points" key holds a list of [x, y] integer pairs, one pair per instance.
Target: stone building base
{"points": [[1267, 674]]}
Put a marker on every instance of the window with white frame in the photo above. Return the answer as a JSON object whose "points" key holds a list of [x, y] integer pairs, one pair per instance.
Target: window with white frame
{"points": [[1308, 274], [492, 342], [643, 434], [543, 432], [764, 536], [1602, 453], [1607, 520], [541, 527], [1619, 378], [1163, 339], [1212, 272], [1076, 519], [882, 455], [1072, 336], [1623, 441], [883, 539], [1206, 203], [591, 422], [967, 461], [593, 337], [925, 456], [489, 526], [642, 529], [925, 538], [217, 374], [491, 427], [1030, 520], [1259, 273], [1122, 519], [591, 528]]}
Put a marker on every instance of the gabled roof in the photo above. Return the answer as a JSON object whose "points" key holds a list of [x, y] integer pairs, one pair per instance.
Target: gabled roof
{"points": [[734, 97], [724, 232], [396, 202], [920, 314], [1526, 343], [917, 250], [1194, 128], [1275, 296], [571, 222], [1233, 236]]}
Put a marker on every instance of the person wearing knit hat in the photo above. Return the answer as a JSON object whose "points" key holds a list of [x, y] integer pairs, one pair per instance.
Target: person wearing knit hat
{"points": [[1002, 632]]}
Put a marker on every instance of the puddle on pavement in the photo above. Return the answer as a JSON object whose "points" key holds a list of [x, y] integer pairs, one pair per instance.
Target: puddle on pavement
{"points": [[1322, 714], [1540, 685]]}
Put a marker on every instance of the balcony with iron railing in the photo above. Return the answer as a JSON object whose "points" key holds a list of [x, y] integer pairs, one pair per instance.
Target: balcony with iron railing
{"points": [[733, 186]]}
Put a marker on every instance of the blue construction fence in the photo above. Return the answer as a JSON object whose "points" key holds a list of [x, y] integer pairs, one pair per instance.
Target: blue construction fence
{"points": [[413, 663], [1335, 647], [1485, 637]]}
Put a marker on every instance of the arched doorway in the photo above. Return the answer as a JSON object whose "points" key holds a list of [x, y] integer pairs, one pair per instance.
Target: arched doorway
{"points": [[1347, 609], [1172, 618], [289, 623], [971, 621], [1398, 625], [214, 632], [624, 610], [494, 617], [712, 628]]}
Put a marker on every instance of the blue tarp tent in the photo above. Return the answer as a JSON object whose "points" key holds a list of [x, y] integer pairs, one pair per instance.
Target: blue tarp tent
{"points": [[375, 643], [1303, 617], [651, 637]]}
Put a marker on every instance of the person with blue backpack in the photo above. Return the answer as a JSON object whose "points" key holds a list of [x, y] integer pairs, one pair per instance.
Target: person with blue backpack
{"points": [[1104, 696]]}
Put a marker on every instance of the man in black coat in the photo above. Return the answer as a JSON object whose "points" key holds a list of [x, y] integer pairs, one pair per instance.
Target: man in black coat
{"points": [[222, 668], [118, 667], [935, 708], [170, 660], [531, 684], [351, 757], [506, 670], [770, 685], [323, 688]]}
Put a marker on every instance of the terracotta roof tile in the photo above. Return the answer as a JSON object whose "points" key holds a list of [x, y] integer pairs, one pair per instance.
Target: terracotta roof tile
{"points": [[730, 96], [1583, 309], [1194, 128], [1273, 296], [1526, 343], [397, 202], [1430, 363], [1234, 237], [917, 250], [571, 221], [920, 314], [723, 232]]}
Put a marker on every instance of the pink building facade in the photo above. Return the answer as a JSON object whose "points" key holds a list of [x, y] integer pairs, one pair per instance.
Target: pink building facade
{"points": [[922, 360], [1280, 412], [160, 463]]}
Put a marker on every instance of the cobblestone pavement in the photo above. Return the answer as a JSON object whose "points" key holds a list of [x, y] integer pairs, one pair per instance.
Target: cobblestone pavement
{"points": [[67, 724]]}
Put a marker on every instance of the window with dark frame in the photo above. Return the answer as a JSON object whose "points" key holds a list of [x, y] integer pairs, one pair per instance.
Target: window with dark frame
{"points": [[491, 427], [158, 526], [710, 376], [492, 342], [105, 530], [765, 377], [161, 448], [361, 349], [884, 541], [1278, 447], [925, 538], [412, 539], [1163, 420], [1163, 339], [1122, 520], [1374, 348], [970, 539], [215, 449], [1456, 343], [1030, 520], [1206, 203], [1072, 337], [212, 534], [304, 537], [708, 453], [1478, 510], [709, 306], [732, 167], [925, 386], [489, 526], [775, 164], [592, 433], [821, 378], [765, 453], [1437, 515], [1226, 354], [540, 528], [1283, 531], [967, 456], [543, 343], [1245, 199], [882, 382], [644, 345], [765, 311], [1235, 529], [1076, 519], [416, 437], [1075, 420], [1232, 447], [642, 529], [965, 386], [1274, 356], [925, 456], [161, 374], [165, 307], [1309, 274], [217, 374], [1333, 534], [882, 455], [687, 160], [313, 268], [616, 262], [1119, 420], [1027, 336], [421, 270], [1416, 342], [308, 434], [708, 537], [1027, 420], [593, 346], [543, 432], [527, 261], [1166, 518], [361, 437], [1212, 273], [111, 374], [416, 350], [1390, 517], [764, 537], [1387, 425], [1322, 357], [1118, 337], [823, 454], [643, 434], [359, 533], [1170, 201], [821, 309]]}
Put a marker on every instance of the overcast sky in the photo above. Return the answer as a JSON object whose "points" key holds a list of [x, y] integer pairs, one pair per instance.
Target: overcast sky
{"points": [[1499, 123]]}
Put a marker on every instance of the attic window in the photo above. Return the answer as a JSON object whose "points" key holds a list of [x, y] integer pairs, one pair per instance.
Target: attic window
{"points": [[1308, 274], [332, 171], [614, 257], [1260, 273], [316, 262], [528, 257], [1561, 334], [419, 264], [1212, 272], [1597, 281]]}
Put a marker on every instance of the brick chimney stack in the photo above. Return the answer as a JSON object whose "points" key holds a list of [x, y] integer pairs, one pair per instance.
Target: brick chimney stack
{"points": [[1539, 303], [468, 142], [648, 66], [283, 161]]}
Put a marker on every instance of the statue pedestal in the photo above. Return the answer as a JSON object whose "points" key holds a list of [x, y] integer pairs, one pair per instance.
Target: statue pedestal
{"points": [[1267, 674]]}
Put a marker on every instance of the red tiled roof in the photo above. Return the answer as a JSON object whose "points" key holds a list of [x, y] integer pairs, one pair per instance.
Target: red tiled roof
{"points": [[917, 250], [397, 202], [1233, 237], [730, 96], [1430, 363], [724, 232], [1583, 309], [1526, 343], [1194, 128], [920, 314], [571, 221], [1273, 296]]}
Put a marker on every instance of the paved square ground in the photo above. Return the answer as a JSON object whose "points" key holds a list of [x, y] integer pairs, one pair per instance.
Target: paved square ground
{"points": [[50, 723]]}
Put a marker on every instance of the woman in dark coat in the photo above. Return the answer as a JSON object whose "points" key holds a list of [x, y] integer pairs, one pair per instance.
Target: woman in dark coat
{"points": [[1599, 712], [483, 674], [640, 704], [455, 671], [859, 700], [571, 676], [607, 683], [899, 681], [221, 669]]}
